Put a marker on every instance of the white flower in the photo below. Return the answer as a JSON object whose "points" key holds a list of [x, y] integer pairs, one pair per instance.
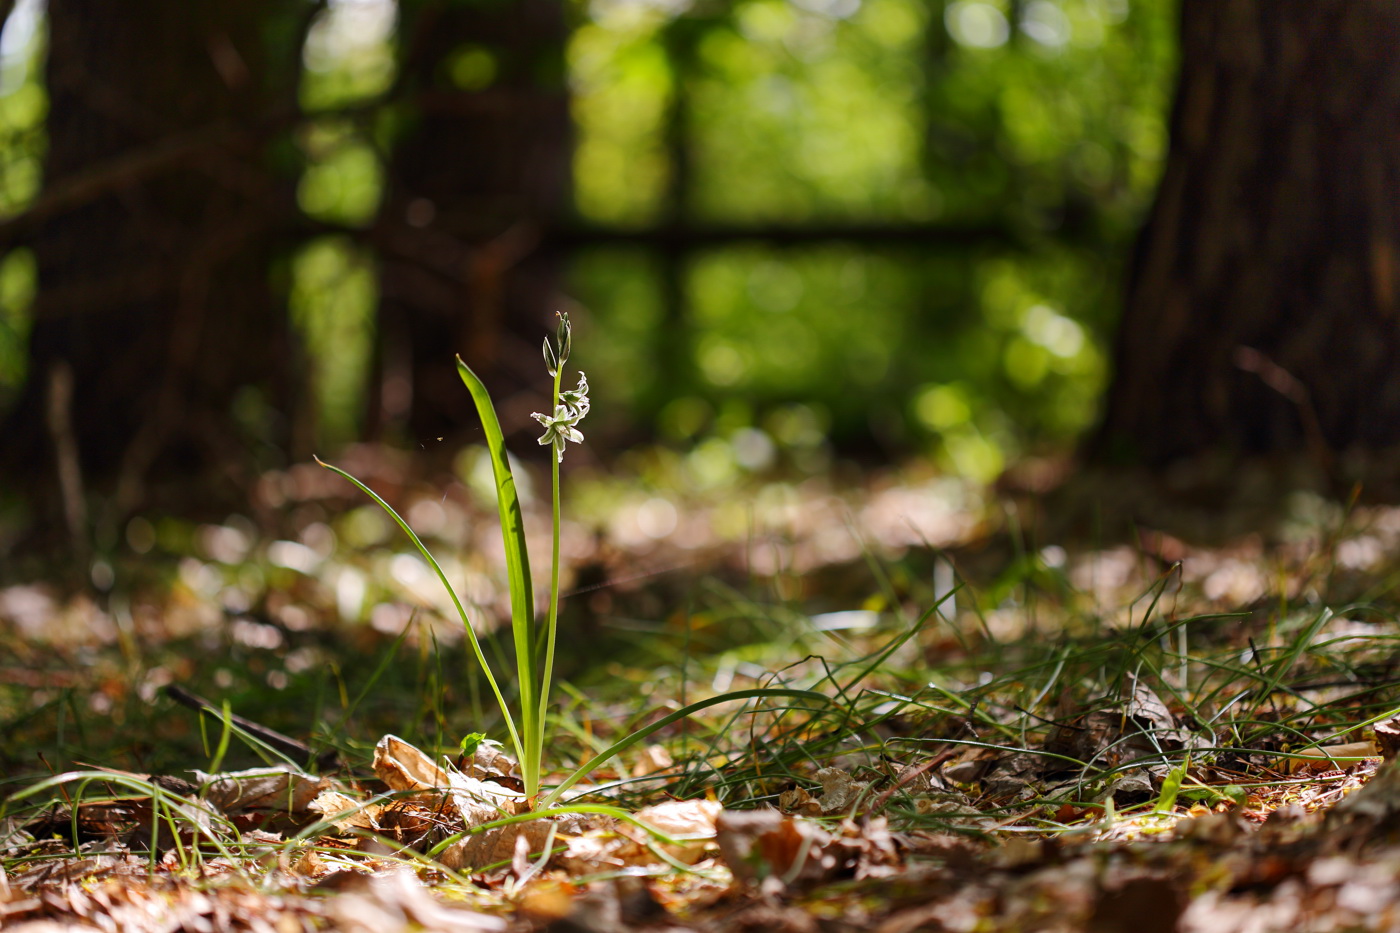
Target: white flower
{"points": [[562, 427], [577, 399]]}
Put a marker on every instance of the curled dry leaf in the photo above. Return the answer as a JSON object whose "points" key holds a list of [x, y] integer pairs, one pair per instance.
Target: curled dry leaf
{"points": [[840, 791], [489, 763], [495, 845], [480, 802], [1388, 738], [971, 765], [776, 850], [1131, 787], [12, 833], [921, 778], [1145, 706], [404, 768], [951, 804], [691, 822], [799, 801], [1013, 776], [597, 850]]}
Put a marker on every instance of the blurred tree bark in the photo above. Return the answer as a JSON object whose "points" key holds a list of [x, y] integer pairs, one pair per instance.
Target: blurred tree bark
{"points": [[160, 348], [479, 168], [1263, 308]]}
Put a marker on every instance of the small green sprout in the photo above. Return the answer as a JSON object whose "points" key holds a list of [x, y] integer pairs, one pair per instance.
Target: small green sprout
{"points": [[470, 743]]}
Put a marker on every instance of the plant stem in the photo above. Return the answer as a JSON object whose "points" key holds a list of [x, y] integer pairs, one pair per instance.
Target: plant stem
{"points": [[547, 675]]}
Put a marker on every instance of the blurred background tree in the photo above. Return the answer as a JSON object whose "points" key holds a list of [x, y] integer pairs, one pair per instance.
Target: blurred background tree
{"points": [[156, 337], [787, 228], [1261, 311], [478, 172]]}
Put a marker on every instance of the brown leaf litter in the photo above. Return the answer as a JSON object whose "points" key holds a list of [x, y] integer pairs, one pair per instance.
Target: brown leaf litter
{"points": [[1331, 866]]}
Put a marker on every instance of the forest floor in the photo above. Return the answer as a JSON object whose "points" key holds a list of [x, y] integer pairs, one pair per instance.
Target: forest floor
{"points": [[256, 724]]}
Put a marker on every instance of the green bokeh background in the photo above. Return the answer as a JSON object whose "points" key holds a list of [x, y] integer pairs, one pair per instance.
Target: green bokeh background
{"points": [[1044, 119]]}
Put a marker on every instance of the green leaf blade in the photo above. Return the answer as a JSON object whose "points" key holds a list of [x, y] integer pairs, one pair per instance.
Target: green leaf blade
{"points": [[522, 598]]}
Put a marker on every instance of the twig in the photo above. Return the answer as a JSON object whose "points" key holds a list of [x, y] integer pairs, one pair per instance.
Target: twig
{"points": [[909, 775], [327, 760], [65, 445], [1292, 388]]}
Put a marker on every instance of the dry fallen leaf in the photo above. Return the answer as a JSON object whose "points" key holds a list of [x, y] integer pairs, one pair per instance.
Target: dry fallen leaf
{"points": [[652, 759], [839, 793], [607, 845], [799, 801], [1325, 757], [690, 820], [404, 768], [347, 813], [759, 845], [839, 790], [396, 901], [1388, 738], [274, 789]]}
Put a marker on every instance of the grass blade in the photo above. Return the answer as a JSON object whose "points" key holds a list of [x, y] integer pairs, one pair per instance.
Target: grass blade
{"points": [[633, 738], [522, 599], [437, 569]]}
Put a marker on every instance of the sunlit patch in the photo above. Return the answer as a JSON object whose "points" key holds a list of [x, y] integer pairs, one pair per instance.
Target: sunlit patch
{"points": [[1236, 582], [224, 543], [977, 24], [252, 634], [293, 556], [656, 518], [1361, 553], [1045, 22]]}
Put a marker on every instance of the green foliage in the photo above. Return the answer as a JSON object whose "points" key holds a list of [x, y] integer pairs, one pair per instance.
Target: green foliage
{"points": [[836, 99], [1171, 787], [470, 742], [875, 112], [343, 178], [348, 57], [17, 279], [23, 108], [622, 87], [332, 305], [1049, 129]]}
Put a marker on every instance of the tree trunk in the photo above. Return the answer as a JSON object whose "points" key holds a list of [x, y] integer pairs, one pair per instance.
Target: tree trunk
{"points": [[481, 166], [1263, 302], [159, 349]]}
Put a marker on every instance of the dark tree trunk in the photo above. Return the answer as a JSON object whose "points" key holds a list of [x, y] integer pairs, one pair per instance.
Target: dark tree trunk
{"points": [[480, 167], [1263, 309], [159, 350]]}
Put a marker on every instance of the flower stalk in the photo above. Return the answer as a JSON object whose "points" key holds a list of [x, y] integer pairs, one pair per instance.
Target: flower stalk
{"points": [[568, 407]]}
